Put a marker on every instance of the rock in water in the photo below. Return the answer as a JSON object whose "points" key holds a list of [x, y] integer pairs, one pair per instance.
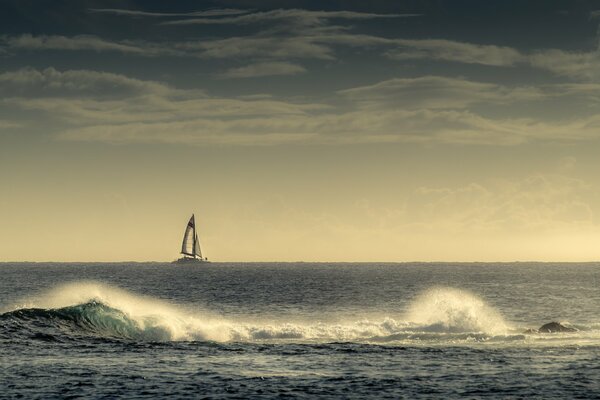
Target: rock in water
{"points": [[553, 327]]}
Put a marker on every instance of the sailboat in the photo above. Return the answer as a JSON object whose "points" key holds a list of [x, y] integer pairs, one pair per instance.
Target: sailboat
{"points": [[190, 247]]}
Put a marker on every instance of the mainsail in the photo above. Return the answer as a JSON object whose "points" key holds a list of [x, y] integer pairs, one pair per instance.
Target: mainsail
{"points": [[191, 245]]}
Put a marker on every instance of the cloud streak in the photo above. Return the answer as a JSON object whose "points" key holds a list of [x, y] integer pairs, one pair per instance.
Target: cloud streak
{"points": [[575, 65], [263, 69], [218, 12], [82, 43], [30, 82], [297, 17], [448, 50], [270, 47], [438, 92]]}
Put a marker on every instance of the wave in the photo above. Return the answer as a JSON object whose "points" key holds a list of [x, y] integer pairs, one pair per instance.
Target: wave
{"points": [[92, 317], [439, 315], [89, 308], [453, 310]]}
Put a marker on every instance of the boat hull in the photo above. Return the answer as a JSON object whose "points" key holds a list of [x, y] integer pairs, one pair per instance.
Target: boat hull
{"points": [[190, 260]]}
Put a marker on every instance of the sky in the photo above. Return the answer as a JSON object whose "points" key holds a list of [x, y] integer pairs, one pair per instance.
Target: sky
{"points": [[300, 130]]}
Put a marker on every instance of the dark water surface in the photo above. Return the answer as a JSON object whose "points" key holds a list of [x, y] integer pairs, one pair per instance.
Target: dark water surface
{"points": [[298, 330]]}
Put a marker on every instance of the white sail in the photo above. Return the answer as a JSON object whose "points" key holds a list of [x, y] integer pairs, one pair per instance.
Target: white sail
{"points": [[197, 250], [188, 244]]}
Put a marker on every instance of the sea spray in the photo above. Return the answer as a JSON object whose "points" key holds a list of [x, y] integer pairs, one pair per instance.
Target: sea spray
{"points": [[454, 310]]}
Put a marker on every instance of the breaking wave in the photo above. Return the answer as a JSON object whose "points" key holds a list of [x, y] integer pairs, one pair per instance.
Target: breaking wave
{"points": [[95, 310], [452, 310]]}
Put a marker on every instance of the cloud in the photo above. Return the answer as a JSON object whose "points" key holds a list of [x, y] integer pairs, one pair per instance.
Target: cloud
{"points": [[438, 92], [261, 46], [203, 13], [286, 34], [77, 43], [98, 106], [51, 82], [294, 16], [86, 98], [150, 109], [447, 50], [235, 47], [289, 33], [575, 65], [256, 96], [263, 69], [194, 132], [9, 124], [578, 65], [309, 37], [589, 91], [271, 47], [263, 124]]}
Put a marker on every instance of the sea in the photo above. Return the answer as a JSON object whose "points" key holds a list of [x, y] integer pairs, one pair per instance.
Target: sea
{"points": [[299, 330]]}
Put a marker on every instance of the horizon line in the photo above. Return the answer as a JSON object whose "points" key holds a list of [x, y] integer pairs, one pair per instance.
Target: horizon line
{"points": [[306, 262]]}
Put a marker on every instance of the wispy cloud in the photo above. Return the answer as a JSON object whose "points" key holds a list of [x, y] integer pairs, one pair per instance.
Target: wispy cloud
{"points": [[438, 92], [271, 47], [81, 42], [263, 69], [294, 16], [448, 50], [319, 44], [285, 34], [576, 65], [4, 124], [282, 34], [354, 127], [32, 82], [203, 13]]}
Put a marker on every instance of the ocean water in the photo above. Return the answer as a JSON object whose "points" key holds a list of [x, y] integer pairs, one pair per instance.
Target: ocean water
{"points": [[298, 330]]}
